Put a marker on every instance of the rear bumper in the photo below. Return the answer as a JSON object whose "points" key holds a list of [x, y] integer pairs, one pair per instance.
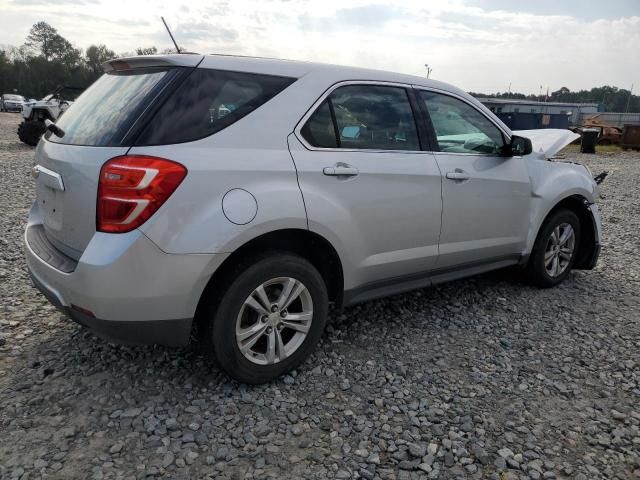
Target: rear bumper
{"points": [[125, 288], [173, 333]]}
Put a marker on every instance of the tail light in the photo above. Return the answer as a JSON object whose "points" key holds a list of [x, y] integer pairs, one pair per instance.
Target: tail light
{"points": [[132, 188]]}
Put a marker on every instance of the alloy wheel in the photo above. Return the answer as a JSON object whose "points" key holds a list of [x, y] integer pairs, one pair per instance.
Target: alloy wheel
{"points": [[274, 320], [560, 249]]}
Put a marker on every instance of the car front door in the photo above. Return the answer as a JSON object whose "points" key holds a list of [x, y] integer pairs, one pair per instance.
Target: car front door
{"points": [[367, 185], [486, 195]]}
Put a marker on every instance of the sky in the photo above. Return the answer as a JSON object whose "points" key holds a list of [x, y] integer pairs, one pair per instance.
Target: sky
{"points": [[477, 45]]}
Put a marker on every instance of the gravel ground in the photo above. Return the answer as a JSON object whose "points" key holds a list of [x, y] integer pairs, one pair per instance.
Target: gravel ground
{"points": [[481, 378]]}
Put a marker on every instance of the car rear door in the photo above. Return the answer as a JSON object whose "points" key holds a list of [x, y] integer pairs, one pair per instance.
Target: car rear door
{"points": [[486, 196], [367, 185]]}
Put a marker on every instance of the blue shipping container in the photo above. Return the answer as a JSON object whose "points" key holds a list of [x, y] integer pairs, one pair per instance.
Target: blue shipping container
{"points": [[532, 121]]}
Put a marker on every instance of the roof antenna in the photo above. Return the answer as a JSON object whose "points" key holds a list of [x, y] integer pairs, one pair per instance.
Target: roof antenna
{"points": [[171, 35]]}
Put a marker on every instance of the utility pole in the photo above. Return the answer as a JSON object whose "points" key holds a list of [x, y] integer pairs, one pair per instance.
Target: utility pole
{"points": [[509, 90], [426, 65], [626, 110]]}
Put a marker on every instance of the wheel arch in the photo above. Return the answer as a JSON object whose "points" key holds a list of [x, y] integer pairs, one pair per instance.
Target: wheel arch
{"points": [[589, 244], [305, 243]]}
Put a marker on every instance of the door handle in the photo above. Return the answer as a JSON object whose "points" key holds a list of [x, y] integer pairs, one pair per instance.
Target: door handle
{"points": [[340, 171], [458, 175]]}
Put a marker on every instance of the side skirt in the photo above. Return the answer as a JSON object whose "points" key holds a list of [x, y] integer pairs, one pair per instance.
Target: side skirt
{"points": [[415, 281]]}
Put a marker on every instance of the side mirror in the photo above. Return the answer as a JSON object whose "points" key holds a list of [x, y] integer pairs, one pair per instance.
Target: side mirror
{"points": [[519, 146]]}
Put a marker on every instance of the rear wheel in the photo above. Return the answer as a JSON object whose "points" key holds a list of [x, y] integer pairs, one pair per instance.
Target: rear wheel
{"points": [[30, 131], [269, 319], [555, 249]]}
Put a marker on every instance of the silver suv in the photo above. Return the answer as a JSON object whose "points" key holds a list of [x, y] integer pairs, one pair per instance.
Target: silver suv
{"points": [[242, 196]]}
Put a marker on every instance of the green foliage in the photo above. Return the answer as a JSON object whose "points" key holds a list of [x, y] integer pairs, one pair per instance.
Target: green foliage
{"points": [[96, 55], [146, 51], [48, 61], [614, 99]]}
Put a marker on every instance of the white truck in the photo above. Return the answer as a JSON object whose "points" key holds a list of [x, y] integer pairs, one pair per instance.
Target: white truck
{"points": [[49, 108]]}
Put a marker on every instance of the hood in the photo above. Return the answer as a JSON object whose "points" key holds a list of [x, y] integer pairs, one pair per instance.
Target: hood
{"points": [[547, 141]]}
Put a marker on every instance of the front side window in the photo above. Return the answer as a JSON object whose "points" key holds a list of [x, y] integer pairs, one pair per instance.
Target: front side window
{"points": [[459, 127], [370, 117]]}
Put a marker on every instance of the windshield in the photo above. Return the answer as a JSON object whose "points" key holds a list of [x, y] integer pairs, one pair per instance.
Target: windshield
{"points": [[105, 112], [14, 98]]}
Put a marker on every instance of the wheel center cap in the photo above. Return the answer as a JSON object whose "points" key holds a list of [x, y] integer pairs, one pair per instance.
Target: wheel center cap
{"points": [[274, 318]]}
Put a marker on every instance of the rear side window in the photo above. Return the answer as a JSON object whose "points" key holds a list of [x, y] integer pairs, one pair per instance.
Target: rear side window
{"points": [[208, 101], [105, 112], [368, 117], [319, 130]]}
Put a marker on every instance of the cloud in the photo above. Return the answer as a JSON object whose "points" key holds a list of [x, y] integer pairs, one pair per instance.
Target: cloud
{"points": [[204, 32], [480, 46], [48, 3]]}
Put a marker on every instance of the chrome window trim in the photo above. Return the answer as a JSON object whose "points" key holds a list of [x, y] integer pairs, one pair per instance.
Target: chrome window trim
{"points": [[297, 130]]}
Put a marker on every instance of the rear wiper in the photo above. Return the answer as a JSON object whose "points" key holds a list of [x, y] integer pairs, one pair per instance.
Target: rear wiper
{"points": [[53, 128]]}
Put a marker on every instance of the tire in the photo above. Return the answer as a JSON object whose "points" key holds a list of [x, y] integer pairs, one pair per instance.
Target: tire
{"points": [[229, 316], [549, 274], [30, 131]]}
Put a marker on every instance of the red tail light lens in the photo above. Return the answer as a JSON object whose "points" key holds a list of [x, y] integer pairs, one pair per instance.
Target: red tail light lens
{"points": [[132, 188]]}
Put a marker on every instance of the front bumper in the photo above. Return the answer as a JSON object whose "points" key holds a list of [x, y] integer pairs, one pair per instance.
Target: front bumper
{"points": [[125, 288]]}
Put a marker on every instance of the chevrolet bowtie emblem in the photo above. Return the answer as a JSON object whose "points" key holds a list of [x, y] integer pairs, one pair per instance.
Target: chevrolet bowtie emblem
{"points": [[35, 172]]}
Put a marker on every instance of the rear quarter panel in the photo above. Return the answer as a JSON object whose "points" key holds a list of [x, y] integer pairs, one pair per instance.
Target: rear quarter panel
{"points": [[251, 154], [193, 220]]}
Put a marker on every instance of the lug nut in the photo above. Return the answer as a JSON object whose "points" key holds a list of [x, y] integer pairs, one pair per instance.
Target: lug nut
{"points": [[280, 326], [269, 329], [283, 313], [274, 308], [264, 319]]}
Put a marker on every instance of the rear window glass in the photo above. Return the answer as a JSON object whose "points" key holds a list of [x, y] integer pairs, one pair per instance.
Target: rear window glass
{"points": [[208, 101], [105, 112]]}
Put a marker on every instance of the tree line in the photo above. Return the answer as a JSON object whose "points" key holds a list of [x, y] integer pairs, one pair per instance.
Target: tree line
{"points": [[47, 61], [613, 99]]}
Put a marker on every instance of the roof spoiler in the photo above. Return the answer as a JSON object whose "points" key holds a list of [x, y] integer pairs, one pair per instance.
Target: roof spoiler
{"points": [[146, 61]]}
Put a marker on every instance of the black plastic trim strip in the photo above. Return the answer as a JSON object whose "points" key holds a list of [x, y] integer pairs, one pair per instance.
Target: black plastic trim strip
{"points": [[332, 112], [424, 135]]}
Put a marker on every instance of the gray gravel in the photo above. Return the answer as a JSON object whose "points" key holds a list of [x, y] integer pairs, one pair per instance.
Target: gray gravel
{"points": [[482, 378]]}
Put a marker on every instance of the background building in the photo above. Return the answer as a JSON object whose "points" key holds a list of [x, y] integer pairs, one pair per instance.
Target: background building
{"points": [[520, 114]]}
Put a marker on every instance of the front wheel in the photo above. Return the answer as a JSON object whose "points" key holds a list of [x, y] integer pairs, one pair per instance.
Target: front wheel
{"points": [[269, 319], [555, 249]]}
